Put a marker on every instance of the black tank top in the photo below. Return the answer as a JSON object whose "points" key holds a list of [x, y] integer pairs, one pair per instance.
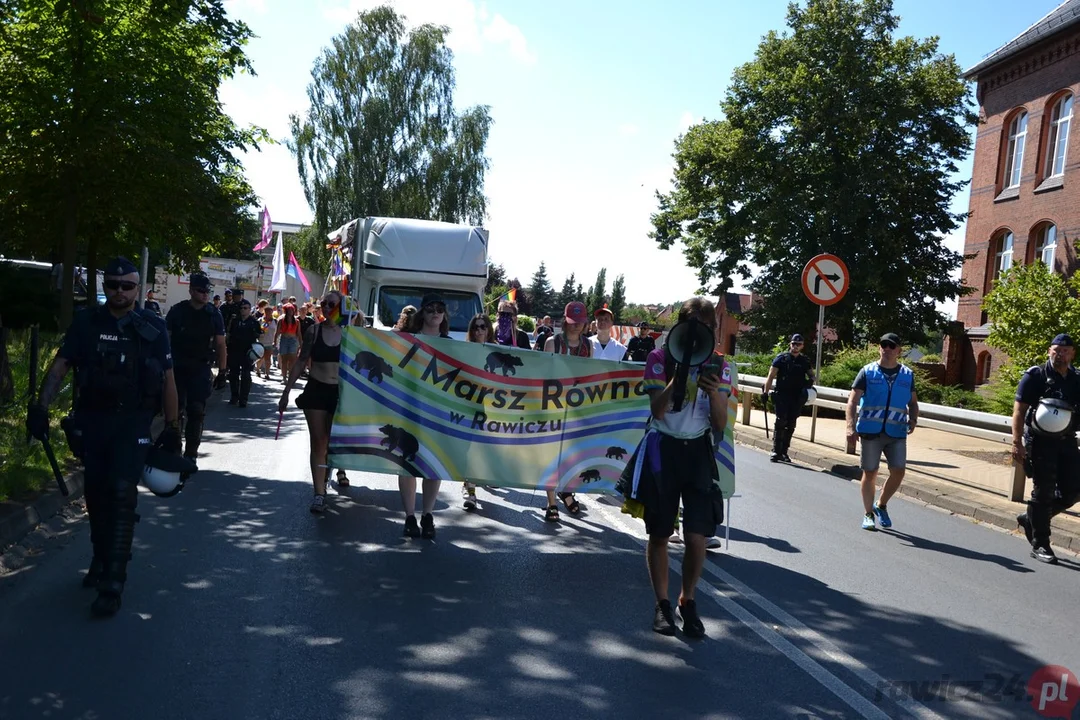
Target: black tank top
{"points": [[321, 352]]}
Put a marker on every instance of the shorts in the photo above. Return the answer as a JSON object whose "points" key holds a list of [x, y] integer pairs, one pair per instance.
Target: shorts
{"points": [[895, 450], [687, 473], [318, 396], [288, 344]]}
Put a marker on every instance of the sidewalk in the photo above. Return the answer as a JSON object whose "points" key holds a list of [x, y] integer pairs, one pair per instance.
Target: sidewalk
{"points": [[964, 475]]}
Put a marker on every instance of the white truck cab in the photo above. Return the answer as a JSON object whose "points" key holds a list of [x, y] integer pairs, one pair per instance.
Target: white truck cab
{"points": [[398, 261]]}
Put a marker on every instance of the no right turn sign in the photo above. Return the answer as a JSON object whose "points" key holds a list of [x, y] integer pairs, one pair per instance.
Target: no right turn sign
{"points": [[825, 279]]}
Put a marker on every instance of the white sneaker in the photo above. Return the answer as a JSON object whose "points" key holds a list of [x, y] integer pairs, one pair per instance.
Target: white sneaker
{"points": [[675, 538], [468, 494], [318, 504], [714, 543]]}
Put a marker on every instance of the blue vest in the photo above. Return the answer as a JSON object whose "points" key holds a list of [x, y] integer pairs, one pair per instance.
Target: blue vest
{"points": [[884, 408]]}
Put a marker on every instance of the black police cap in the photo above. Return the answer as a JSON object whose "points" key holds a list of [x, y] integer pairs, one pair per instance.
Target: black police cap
{"points": [[1062, 340], [120, 266]]}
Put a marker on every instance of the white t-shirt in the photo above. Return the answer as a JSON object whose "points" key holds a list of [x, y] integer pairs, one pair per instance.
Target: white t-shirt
{"points": [[614, 350]]}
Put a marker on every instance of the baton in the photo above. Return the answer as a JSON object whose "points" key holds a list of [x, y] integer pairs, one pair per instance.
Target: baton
{"points": [[55, 468], [766, 404], [279, 417]]}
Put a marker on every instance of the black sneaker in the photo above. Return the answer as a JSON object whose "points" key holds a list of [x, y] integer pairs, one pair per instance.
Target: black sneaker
{"points": [[233, 401], [785, 458], [90, 579], [691, 624], [1025, 524], [412, 529], [106, 604], [663, 618], [776, 457], [1043, 553], [242, 403], [427, 526]]}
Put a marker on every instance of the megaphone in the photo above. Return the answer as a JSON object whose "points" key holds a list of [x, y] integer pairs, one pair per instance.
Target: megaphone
{"points": [[689, 344]]}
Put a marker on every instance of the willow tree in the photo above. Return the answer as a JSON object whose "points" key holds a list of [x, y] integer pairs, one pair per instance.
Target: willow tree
{"points": [[381, 136], [837, 137]]}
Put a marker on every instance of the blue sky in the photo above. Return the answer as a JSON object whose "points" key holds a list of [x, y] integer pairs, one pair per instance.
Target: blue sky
{"points": [[588, 98]]}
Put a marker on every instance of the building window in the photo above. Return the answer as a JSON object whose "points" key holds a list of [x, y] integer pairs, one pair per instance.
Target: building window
{"points": [[1003, 253], [982, 368], [1046, 244], [1058, 136], [1014, 156]]}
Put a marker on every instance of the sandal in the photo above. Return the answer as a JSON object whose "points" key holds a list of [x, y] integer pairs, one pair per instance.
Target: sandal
{"points": [[570, 502], [552, 513], [342, 478]]}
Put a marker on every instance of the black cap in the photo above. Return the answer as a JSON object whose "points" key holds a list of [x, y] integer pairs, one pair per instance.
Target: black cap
{"points": [[890, 337], [200, 281], [796, 338], [228, 291], [430, 298], [120, 266], [1062, 340], [238, 291], [643, 324]]}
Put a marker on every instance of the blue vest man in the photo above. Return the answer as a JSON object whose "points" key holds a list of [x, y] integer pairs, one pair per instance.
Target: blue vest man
{"points": [[882, 410], [123, 369]]}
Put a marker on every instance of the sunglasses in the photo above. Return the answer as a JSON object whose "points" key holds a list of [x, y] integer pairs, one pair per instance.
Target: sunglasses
{"points": [[797, 344], [435, 309], [328, 305], [125, 285], [889, 345], [201, 291], [481, 327]]}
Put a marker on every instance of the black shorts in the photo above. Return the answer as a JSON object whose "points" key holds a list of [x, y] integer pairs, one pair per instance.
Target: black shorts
{"points": [[687, 473], [318, 396]]}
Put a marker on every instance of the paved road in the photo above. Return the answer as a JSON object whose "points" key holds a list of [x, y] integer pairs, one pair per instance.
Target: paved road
{"points": [[243, 605]]}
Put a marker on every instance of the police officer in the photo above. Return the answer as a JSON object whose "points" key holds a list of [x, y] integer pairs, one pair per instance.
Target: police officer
{"points": [[195, 331], [639, 347], [793, 374], [151, 304], [1044, 424], [245, 331], [123, 369]]}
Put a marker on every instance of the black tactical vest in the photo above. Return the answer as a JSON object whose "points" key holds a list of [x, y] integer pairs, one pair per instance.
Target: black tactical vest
{"points": [[120, 373], [192, 335]]}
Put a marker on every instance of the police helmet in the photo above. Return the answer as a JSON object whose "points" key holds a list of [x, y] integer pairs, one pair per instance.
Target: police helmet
{"points": [[255, 352], [811, 395], [164, 473], [1052, 417]]}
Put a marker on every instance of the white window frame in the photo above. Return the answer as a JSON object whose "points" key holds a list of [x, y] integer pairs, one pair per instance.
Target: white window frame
{"points": [[1014, 157], [1003, 253], [1046, 245], [1057, 146]]}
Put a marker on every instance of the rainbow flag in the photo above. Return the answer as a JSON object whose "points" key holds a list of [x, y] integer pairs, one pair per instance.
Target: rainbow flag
{"points": [[509, 296]]}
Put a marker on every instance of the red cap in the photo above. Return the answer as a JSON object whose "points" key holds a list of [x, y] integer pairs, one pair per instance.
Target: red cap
{"points": [[575, 313], [600, 311]]}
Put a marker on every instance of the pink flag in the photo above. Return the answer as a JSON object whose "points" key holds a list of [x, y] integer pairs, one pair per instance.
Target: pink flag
{"points": [[267, 231], [296, 272]]}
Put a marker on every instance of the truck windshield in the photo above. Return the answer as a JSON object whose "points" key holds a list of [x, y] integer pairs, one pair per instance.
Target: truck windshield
{"points": [[460, 306]]}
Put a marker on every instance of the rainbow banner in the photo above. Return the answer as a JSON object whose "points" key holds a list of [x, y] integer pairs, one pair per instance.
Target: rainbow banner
{"points": [[439, 408]]}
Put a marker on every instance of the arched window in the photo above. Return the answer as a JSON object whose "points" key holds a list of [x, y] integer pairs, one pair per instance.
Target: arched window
{"points": [[1002, 257], [1014, 152], [1045, 245], [982, 368], [1057, 139]]}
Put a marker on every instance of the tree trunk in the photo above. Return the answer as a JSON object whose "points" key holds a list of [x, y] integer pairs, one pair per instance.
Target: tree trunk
{"points": [[67, 257]]}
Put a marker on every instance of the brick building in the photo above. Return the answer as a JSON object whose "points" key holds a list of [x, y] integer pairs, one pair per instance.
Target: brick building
{"points": [[1025, 186]]}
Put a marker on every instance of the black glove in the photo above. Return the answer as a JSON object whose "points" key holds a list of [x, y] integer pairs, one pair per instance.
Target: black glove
{"points": [[37, 421], [169, 440]]}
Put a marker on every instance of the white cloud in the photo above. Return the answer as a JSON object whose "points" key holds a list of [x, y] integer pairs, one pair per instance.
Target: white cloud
{"points": [[472, 28]]}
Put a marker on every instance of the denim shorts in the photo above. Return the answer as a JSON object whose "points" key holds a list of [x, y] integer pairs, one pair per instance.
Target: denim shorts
{"points": [[895, 450], [288, 344]]}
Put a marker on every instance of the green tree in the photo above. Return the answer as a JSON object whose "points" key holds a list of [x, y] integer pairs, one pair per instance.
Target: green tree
{"points": [[541, 293], [310, 249], [1028, 306], [496, 277], [618, 298], [838, 137], [568, 294], [113, 134], [597, 295], [381, 136]]}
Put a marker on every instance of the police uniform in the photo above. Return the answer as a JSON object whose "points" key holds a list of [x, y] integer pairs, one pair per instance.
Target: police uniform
{"points": [[120, 366], [192, 334], [793, 375], [243, 335], [1052, 461], [639, 347]]}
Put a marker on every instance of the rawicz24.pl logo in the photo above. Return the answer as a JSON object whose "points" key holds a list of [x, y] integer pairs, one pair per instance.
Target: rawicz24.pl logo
{"points": [[1054, 691]]}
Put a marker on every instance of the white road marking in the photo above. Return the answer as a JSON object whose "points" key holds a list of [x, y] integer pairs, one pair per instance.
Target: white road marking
{"points": [[826, 649]]}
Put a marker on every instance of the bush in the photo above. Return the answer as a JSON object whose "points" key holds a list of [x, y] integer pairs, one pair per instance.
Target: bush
{"points": [[24, 468], [526, 324], [845, 365], [759, 363]]}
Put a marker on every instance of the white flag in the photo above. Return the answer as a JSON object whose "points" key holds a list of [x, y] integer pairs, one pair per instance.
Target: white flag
{"points": [[277, 282]]}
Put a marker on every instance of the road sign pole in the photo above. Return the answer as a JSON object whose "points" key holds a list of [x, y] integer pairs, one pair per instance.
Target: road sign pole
{"points": [[817, 367]]}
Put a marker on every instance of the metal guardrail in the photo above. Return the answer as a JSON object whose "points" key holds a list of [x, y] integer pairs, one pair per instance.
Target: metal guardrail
{"points": [[982, 425]]}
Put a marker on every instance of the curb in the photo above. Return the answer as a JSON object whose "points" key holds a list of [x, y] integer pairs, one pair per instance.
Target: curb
{"points": [[17, 520], [980, 506]]}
